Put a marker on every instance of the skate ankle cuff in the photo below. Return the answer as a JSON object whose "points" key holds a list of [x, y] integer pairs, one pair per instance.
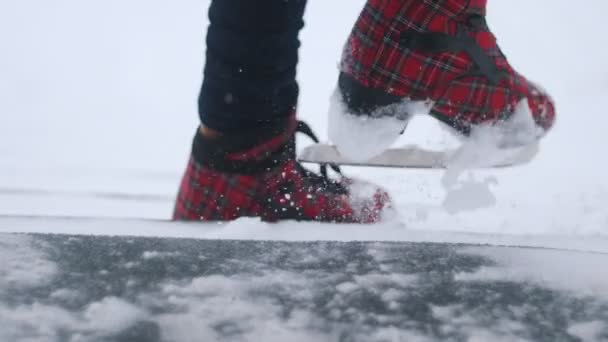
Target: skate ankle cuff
{"points": [[247, 152]]}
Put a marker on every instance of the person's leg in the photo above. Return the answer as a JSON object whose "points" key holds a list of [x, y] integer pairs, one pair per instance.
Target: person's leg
{"points": [[243, 159], [438, 57], [252, 54]]}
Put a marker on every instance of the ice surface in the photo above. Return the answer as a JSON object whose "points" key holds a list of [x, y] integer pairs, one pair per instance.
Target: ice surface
{"points": [[103, 289], [22, 266], [254, 229], [565, 271]]}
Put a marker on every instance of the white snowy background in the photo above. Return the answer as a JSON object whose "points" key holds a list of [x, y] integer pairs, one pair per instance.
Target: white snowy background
{"points": [[99, 97], [98, 106]]}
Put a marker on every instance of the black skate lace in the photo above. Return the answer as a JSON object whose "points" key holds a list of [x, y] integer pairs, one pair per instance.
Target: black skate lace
{"points": [[322, 179]]}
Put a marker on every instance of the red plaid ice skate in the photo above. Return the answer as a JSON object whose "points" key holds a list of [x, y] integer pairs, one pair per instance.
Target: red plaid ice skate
{"points": [[256, 175], [439, 50]]}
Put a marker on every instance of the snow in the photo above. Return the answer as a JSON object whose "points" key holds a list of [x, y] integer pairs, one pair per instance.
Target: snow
{"points": [[112, 314], [254, 229], [25, 267], [361, 138], [45, 323], [469, 194], [22, 266], [100, 97], [565, 271], [158, 255], [588, 331]]}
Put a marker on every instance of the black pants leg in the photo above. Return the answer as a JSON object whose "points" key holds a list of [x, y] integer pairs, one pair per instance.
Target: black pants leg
{"points": [[250, 71]]}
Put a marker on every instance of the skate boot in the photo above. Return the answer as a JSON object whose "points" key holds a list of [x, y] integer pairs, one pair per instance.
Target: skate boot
{"points": [[255, 174], [439, 57]]}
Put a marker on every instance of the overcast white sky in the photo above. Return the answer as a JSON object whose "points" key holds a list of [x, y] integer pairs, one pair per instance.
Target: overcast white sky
{"points": [[101, 95]]}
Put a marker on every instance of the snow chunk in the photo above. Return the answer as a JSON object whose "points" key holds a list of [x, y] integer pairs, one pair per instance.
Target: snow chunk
{"points": [[47, 323], [361, 137], [589, 331], [147, 255], [457, 320], [579, 273], [347, 287], [22, 264], [391, 279], [514, 139], [112, 314], [41, 322]]}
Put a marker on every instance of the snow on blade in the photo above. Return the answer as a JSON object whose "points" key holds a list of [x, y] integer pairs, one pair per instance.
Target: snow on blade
{"points": [[361, 137]]}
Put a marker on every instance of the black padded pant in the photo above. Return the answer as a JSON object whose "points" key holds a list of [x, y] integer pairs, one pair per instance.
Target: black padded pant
{"points": [[250, 69]]}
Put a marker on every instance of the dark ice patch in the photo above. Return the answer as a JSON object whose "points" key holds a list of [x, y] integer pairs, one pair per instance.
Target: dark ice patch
{"points": [[353, 291]]}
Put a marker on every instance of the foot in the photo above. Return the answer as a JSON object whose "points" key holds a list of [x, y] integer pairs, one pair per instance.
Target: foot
{"points": [[437, 57], [255, 174]]}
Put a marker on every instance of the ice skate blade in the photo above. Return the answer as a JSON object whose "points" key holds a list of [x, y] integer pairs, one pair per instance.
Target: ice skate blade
{"points": [[414, 157]]}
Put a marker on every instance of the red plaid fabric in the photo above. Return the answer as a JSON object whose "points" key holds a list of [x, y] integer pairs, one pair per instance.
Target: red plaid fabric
{"points": [[378, 56], [286, 191]]}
